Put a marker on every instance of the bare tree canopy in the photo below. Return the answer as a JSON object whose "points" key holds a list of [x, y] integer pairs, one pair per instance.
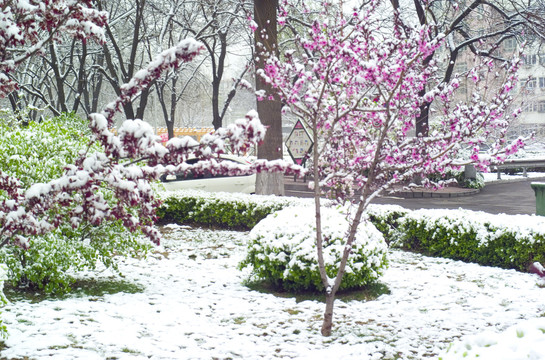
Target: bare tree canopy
{"points": [[74, 75]]}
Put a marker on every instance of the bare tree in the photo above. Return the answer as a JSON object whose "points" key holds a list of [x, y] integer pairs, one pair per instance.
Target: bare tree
{"points": [[63, 79], [123, 53], [221, 26], [73, 75], [69, 75]]}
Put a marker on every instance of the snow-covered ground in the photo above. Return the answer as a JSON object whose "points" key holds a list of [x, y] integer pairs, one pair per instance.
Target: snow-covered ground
{"points": [[193, 305]]}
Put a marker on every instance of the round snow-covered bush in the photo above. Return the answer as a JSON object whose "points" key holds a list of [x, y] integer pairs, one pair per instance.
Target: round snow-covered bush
{"points": [[282, 250]]}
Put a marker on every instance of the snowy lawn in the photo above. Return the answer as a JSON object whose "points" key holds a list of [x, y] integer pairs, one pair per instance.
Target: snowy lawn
{"points": [[190, 303]]}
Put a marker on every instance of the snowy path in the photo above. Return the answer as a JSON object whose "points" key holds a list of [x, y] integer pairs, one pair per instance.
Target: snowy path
{"points": [[194, 306]]}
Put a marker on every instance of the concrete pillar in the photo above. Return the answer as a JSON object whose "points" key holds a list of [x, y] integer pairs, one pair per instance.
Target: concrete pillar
{"points": [[470, 173]]}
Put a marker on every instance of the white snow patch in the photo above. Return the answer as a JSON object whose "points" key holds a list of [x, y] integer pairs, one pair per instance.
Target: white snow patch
{"points": [[195, 306]]}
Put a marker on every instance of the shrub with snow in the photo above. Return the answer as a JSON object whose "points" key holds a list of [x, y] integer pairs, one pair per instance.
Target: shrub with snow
{"points": [[522, 341], [282, 250], [459, 176], [35, 154], [506, 241], [225, 210]]}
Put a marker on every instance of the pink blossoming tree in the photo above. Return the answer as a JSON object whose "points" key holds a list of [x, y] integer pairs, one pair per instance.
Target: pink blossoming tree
{"points": [[355, 83]]}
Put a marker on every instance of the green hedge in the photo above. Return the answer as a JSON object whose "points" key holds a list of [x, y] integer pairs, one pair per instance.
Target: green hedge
{"points": [[386, 219], [230, 211], [506, 241], [459, 176]]}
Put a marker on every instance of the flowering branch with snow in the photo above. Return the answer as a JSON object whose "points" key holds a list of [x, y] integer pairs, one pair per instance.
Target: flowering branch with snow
{"points": [[360, 90], [131, 159]]}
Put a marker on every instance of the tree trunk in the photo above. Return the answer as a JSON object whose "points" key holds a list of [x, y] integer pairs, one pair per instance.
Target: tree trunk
{"points": [[170, 124], [269, 109], [421, 122], [82, 81], [268, 183], [97, 85], [328, 314], [216, 120], [59, 81], [144, 96]]}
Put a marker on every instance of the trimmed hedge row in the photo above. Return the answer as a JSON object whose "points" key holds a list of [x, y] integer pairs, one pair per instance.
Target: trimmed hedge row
{"points": [[231, 211], [506, 241]]}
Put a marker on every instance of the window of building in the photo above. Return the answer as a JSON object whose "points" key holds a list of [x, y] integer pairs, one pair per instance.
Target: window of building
{"points": [[541, 107], [531, 84], [510, 44], [529, 106], [542, 82], [530, 59]]}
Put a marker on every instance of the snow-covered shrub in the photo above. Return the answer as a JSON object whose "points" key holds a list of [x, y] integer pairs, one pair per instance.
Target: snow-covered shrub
{"points": [[477, 183], [507, 241], [225, 210], [282, 250], [37, 153], [522, 341], [52, 260]]}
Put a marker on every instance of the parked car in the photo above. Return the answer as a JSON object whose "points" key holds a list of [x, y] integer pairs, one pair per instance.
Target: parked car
{"points": [[212, 182]]}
